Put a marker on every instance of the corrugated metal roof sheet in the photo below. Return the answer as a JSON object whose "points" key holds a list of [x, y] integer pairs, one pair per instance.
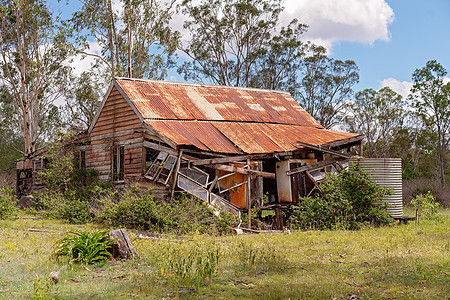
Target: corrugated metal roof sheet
{"points": [[226, 119], [182, 101], [202, 135], [230, 137]]}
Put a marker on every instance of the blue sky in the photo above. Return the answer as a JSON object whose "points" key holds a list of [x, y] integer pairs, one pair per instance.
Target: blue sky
{"points": [[418, 33], [388, 39]]}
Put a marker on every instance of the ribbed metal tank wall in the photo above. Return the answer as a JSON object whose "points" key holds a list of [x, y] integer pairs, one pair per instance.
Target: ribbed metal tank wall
{"points": [[386, 172]]}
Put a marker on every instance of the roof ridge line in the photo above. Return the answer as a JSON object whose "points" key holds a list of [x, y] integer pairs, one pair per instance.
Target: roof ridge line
{"points": [[226, 121], [204, 85]]}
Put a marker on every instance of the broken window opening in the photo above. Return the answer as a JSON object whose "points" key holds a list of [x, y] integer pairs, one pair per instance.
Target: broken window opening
{"points": [[80, 159], [118, 163], [196, 175], [159, 165]]}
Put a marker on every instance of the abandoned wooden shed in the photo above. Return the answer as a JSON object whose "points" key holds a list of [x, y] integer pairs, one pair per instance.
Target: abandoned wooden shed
{"points": [[230, 146]]}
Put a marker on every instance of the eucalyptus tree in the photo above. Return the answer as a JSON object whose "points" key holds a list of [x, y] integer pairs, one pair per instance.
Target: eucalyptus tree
{"points": [[226, 38], [237, 43], [135, 40], [83, 99], [325, 85], [278, 62], [431, 99], [379, 116], [33, 51]]}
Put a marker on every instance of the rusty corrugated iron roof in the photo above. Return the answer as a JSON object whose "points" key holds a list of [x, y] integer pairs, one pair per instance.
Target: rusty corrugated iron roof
{"points": [[202, 135], [241, 137], [182, 101], [226, 119]]}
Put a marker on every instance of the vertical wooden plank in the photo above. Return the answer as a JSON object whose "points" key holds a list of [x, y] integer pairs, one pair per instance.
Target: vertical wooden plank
{"points": [[249, 193], [175, 177]]}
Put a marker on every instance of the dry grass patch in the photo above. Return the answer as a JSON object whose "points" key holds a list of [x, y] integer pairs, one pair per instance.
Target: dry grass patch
{"points": [[403, 262]]}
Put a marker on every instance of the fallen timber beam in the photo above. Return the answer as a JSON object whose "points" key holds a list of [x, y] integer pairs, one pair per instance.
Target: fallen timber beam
{"points": [[229, 159], [314, 166], [235, 169], [344, 143], [320, 148]]}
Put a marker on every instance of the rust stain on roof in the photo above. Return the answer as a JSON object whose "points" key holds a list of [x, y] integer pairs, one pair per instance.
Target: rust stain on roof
{"points": [[164, 100], [202, 135], [226, 119]]}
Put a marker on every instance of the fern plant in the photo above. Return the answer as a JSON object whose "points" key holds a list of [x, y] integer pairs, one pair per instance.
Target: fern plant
{"points": [[84, 247]]}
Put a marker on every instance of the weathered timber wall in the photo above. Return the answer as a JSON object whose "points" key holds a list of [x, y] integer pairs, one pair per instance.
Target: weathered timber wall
{"points": [[116, 126]]}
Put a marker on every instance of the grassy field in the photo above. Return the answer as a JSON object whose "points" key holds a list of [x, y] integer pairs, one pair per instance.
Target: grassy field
{"points": [[400, 262]]}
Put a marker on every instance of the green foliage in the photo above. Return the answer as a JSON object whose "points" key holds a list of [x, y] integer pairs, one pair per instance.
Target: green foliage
{"points": [[41, 288], [144, 211], [133, 211], [232, 42], [84, 247], [83, 100], [141, 49], [33, 66], [348, 200], [430, 96], [250, 256], [378, 115], [325, 84], [7, 203], [188, 266], [425, 206]]}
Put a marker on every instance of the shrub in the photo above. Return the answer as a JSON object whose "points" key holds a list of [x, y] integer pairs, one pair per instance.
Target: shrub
{"points": [[59, 205], [134, 211], [184, 215], [7, 203], [425, 205], [346, 201], [84, 247]]}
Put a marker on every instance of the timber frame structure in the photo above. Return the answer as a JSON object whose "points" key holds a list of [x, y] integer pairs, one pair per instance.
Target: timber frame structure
{"points": [[231, 147]]}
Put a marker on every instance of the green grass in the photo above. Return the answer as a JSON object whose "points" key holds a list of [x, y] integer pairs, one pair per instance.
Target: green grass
{"points": [[402, 262]]}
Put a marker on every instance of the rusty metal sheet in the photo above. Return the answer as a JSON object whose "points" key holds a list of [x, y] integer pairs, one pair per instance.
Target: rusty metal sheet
{"points": [[242, 139], [310, 135], [202, 135], [283, 109], [183, 101], [267, 138], [292, 134], [209, 136], [326, 136], [251, 138], [149, 103], [176, 132]]}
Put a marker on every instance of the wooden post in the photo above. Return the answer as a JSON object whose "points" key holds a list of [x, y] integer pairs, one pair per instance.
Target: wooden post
{"points": [[175, 177], [279, 218], [249, 204], [361, 149]]}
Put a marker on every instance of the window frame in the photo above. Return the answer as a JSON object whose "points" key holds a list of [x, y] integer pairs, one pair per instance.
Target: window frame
{"points": [[118, 163]]}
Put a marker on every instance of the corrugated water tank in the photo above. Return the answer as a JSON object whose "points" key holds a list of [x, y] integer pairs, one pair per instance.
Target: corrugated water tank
{"points": [[386, 172]]}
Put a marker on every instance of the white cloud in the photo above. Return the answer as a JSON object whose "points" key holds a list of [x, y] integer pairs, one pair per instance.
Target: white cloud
{"points": [[83, 63], [331, 21], [401, 87]]}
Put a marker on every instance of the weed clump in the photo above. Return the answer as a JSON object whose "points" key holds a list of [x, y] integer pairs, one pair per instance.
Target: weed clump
{"points": [[188, 265], [7, 203], [426, 206], [84, 247], [347, 201]]}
